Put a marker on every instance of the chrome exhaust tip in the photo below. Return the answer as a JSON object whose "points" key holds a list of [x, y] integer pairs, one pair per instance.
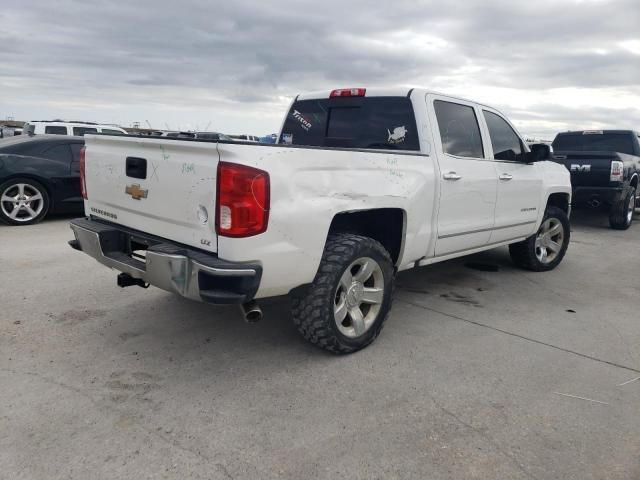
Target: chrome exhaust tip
{"points": [[251, 311]]}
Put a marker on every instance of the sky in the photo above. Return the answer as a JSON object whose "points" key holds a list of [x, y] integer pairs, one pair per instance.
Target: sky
{"points": [[233, 66]]}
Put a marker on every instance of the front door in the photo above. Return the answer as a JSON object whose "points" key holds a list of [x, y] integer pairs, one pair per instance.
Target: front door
{"points": [[466, 212], [519, 183]]}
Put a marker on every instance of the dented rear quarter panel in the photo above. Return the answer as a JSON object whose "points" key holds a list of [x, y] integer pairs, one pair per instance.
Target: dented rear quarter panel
{"points": [[309, 187]]}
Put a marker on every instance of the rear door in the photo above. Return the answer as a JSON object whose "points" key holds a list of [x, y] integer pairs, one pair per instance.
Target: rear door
{"points": [[468, 177], [519, 183], [159, 186]]}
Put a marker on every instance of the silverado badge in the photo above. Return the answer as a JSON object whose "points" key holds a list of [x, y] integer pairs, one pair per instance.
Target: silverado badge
{"points": [[136, 192]]}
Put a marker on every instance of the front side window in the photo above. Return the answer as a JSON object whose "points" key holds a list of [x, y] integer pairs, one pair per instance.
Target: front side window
{"points": [[54, 130], [459, 129], [80, 131], [506, 144]]}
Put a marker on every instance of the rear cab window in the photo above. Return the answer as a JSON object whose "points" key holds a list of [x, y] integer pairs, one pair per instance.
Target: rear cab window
{"points": [[353, 122], [593, 142]]}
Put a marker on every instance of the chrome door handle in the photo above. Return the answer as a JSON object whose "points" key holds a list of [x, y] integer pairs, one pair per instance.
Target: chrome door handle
{"points": [[451, 176], [506, 176]]}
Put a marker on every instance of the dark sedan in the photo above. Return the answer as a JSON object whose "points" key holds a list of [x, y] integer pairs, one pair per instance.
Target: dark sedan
{"points": [[39, 175]]}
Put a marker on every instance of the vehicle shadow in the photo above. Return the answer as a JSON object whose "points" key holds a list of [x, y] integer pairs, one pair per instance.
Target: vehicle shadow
{"points": [[51, 218], [594, 219], [165, 329]]}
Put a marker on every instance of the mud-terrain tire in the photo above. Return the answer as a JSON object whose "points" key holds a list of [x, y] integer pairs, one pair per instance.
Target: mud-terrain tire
{"points": [[356, 274], [545, 249]]}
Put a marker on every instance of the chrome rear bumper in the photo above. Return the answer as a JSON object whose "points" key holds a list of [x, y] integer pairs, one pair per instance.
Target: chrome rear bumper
{"points": [[188, 272]]}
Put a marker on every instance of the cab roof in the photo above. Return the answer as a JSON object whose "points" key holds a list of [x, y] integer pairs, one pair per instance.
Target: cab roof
{"points": [[386, 92]]}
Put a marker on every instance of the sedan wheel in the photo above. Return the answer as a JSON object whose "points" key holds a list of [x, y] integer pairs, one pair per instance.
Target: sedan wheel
{"points": [[23, 202]]}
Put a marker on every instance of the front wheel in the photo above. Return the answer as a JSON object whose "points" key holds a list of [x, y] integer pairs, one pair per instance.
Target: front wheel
{"points": [[345, 307], [545, 249], [621, 215]]}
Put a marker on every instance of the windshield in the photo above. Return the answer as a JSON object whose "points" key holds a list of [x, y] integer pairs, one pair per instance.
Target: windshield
{"points": [[353, 122], [594, 142]]}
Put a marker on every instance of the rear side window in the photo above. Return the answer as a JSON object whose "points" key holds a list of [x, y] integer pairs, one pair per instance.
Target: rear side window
{"points": [[580, 142], [459, 130], [357, 122], [75, 150], [54, 130], [60, 153], [112, 132], [506, 144], [80, 131]]}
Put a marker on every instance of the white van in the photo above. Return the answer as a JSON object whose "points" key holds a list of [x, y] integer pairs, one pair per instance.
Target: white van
{"points": [[58, 127]]}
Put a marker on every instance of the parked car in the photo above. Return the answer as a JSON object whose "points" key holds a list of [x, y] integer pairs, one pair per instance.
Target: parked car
{"points": [[179, 134], [213, 136], [368, 183], [245, 138], [39, 175], [59, 127], [604, 166], [269, 139]]}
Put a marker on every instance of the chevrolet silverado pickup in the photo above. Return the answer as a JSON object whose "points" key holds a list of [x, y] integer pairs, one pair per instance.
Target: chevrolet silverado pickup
{"points": [[604, 166], [361, 184]]}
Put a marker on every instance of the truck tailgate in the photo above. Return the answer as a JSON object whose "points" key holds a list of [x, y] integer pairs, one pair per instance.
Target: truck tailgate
{"points": [[162, 187], [588, 169]]}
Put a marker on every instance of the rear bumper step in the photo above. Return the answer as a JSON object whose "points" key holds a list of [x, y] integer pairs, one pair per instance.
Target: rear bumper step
{"points": [[183, 270]]}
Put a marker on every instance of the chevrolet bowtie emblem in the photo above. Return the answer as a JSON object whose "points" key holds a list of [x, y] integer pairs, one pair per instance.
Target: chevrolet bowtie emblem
{"points": [[136, 192]]}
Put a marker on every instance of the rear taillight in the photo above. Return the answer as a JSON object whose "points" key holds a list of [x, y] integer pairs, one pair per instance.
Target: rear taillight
{"points": [[83, 181], [348, 92], [242, 208], [617, 171]]}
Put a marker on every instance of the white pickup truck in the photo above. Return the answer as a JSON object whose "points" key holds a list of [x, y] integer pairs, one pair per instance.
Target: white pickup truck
{"points": [[362, 183]]}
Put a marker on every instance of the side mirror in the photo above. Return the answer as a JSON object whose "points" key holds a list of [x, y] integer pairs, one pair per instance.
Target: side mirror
{"points": [[539, 153]]}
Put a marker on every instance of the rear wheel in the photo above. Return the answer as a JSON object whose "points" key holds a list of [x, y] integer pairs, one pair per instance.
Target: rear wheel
{"points": [[23, 201], [346, 306], [621, 214], [545, 249]]}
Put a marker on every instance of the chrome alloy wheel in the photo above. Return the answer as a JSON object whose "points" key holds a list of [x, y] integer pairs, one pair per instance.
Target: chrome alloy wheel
{"points": [[21, 202], [631, 208], [358, 297], [549, 240]]}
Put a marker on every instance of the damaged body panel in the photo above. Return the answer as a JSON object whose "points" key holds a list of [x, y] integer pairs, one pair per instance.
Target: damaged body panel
{"points": [[361, 184]]}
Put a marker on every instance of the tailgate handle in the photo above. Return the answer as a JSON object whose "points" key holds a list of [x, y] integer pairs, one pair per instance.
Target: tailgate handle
{"points": [[137, 167]]}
